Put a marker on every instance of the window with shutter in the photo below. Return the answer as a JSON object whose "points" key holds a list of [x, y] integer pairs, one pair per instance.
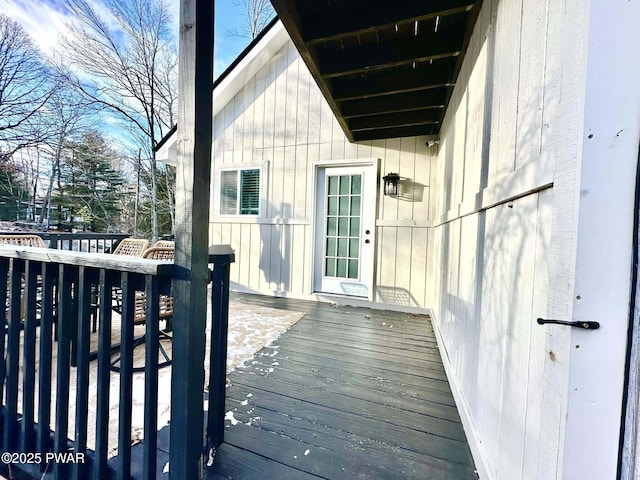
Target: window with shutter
{"points": [[240, 192]]}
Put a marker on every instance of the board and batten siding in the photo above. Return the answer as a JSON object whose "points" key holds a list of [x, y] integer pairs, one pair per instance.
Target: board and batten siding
{"points": [[281, 123], [491, 209], [520, 193]]}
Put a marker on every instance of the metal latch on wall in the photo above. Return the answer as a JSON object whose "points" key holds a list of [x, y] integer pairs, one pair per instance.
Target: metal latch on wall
{"points": [[585, 325]]}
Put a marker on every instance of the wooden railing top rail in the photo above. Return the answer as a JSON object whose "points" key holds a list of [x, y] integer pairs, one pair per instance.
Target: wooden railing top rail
{"points": [[107, 261], [73, 236], [123, 263]]}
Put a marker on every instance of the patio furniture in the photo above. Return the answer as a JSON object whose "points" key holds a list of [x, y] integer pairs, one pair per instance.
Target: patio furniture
{"points": [[165, 243], [25, 241], [140, 312], [132, 246], [22, 240]]}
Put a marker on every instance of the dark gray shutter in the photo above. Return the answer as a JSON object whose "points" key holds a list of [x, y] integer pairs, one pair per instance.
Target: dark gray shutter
{"points": [[250, 192]]}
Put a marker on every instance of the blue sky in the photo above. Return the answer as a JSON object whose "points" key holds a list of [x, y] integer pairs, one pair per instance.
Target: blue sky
{"points": [[44, 20]]}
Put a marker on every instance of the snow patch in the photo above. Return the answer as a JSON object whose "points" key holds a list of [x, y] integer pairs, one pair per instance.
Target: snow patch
{"points": [[229, 416]]}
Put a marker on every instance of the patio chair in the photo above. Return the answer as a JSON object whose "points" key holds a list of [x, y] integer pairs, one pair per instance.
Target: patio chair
{"points": [[131, 246], [140, 312], [25, 241], [22, 240], [165, 243]]}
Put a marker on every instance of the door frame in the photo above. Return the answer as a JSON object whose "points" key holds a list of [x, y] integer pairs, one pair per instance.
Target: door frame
{"points": [[316, 166]]}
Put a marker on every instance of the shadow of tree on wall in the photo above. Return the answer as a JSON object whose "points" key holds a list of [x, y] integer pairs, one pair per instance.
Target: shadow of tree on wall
{"points": [[275, 253], [494, 278]]}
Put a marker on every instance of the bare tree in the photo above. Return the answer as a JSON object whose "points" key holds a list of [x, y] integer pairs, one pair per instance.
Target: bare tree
{"points": [[26, 84], [257, 14], [68, 116], [129, 56]]}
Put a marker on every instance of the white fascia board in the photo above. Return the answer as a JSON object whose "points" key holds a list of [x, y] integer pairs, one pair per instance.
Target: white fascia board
{"points": [[234, 81], [168, 153]]}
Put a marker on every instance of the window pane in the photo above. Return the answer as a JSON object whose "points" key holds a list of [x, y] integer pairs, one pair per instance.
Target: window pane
{"points": [[342, 247], [355, 206], [342, 226], [353, 268], [344, 185], [333, 206], [354, 230], [331, 247], [342, 268], [331, 267], [250, 192], [356, 185], [333, 185], [344, 205], [229, 193], [354, 247], [332, 226]]}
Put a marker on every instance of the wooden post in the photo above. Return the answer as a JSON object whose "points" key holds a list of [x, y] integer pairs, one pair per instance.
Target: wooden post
{"points": [[222, 257], [192, 224]]}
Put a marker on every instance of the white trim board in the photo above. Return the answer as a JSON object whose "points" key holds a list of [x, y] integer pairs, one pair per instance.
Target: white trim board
{"points": [[530, 178]]}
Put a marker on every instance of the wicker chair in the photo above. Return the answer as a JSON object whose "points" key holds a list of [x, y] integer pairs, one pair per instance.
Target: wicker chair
{"points": [[140, 311], [165, 243], [131, 246], [25, 241], [166, 301], [22, 240]]}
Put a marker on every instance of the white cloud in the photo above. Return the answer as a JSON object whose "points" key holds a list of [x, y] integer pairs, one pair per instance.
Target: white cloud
{"points": [[43, 22]]}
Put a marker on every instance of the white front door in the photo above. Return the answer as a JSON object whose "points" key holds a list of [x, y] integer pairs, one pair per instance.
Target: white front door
{"points": [[345, 230]]}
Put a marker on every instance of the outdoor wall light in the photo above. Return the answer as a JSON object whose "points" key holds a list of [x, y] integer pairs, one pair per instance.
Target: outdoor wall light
{"points": [[391, 181]]}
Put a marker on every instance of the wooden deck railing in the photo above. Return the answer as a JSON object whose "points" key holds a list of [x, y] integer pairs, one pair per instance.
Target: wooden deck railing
{"points": [[79, 242], [50, 297]]}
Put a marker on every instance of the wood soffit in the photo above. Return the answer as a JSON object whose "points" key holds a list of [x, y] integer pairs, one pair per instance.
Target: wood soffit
{"points": [[386, 68]]}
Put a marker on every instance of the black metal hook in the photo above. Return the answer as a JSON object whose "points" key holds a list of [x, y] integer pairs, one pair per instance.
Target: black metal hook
{"points": [[585, 325]]}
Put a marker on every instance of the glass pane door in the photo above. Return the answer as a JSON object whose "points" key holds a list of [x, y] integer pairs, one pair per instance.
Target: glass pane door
{"points": [[343, 214]]}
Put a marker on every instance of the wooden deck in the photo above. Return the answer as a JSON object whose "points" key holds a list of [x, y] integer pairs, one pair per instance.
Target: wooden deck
{"points": [[346, 393]]}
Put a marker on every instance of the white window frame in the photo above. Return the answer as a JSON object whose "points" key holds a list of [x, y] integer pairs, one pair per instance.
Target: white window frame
{"points": [[260, 192]]}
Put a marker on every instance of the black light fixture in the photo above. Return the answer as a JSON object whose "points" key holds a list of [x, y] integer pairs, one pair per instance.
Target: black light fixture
{"points": [[391, 181]]}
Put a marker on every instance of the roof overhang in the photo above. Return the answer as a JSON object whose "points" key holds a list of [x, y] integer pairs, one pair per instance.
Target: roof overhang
{"points": [[386, 68]]}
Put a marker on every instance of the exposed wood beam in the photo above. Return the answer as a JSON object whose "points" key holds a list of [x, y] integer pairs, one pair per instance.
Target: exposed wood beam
{"points": [[366, 59], [401, 119], [402, 102], [378, 15], [396, 132], [438, 75], [192, 236]]}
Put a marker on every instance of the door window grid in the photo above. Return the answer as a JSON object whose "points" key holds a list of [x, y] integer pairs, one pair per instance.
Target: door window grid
{"points": [[342, 248]]}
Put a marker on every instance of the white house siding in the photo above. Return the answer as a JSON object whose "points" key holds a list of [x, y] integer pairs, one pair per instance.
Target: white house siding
{"points": [[517, 221], [281, 122]]}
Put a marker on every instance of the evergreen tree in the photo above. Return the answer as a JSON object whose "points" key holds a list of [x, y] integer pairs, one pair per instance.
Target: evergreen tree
{"points": [[90, 188], [14, 192]]}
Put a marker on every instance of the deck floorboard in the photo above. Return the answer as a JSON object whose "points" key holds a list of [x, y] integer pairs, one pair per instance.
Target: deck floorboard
{"points": [[346, 393], [361, 398]]}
